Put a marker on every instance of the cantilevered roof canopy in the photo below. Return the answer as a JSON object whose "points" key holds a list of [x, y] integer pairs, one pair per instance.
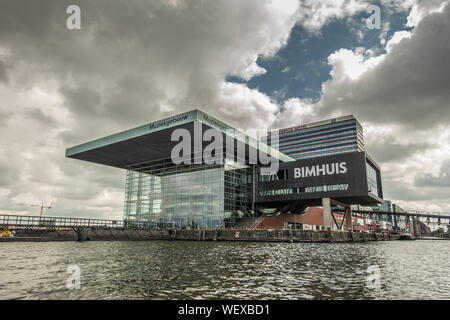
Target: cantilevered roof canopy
{"points": [[152, 142]]}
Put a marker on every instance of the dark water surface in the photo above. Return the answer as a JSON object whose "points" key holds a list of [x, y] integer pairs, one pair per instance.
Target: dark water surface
{"points": [[225, 270]]}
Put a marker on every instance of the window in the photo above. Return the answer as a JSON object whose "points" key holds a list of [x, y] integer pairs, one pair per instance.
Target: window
{"points": [[312, 189], [280, 175], [371, 179]]}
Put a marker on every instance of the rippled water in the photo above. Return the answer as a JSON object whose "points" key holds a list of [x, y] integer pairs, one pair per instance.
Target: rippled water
{"points": [[225, 270]]}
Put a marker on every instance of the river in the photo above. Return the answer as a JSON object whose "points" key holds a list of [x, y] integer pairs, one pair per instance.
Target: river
{"points": [[225, 270]]}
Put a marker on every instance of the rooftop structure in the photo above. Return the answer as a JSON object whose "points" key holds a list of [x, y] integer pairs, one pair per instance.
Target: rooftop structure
{"points": [[322, 138]]}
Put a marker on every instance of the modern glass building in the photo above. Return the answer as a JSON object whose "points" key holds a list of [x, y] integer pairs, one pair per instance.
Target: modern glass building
{"points": [[171, 186], [336, 136], [318, 139], [159, 192]]}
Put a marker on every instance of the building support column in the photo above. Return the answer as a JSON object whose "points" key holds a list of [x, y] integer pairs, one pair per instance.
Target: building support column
{"points": [[82, 233], [348, 218], [326, 206], [416, 223]]}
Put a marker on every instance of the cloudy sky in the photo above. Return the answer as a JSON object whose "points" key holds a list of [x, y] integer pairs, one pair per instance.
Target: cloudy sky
{"points": [[254, 64]]}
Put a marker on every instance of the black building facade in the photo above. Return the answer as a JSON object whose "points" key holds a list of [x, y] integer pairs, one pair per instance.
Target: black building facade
{"points": [[351, 178]]}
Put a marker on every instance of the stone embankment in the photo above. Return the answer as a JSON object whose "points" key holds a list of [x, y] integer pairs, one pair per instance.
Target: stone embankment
{"points": [[96, 234]]}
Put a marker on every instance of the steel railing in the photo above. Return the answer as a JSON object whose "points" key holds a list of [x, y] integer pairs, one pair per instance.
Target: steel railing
{"points": [[56, 222], [420, 214]]}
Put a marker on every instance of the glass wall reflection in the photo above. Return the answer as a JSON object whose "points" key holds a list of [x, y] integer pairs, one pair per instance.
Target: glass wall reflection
{"points": [[189, 196]]}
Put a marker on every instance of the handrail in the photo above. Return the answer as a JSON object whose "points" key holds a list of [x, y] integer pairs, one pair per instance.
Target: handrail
{"points": [[403, 213], [64, 222]]}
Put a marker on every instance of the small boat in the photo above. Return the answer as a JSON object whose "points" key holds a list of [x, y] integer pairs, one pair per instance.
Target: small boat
{"points": [[7, 233], [406, 236]]}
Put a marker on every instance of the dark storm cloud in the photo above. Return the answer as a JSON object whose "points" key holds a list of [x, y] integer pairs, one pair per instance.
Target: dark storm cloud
{"points": [[3, 72], [185, 48], [5, 115], [84, 100], [399, 190], [442, 180], [132, 62], [410, 86], [386, 151], [131, 98], [40, 116], [6, 174], [28, 17]]}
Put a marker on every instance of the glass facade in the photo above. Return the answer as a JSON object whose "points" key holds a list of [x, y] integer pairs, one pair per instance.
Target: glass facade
{"points": [[239, 192], [372, 183], [329, 137], [161, 194], [388, 206], [311, 189], [385, 206]]}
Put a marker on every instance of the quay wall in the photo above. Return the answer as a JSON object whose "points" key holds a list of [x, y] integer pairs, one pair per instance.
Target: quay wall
{"points": [[281, 236], [94, 234], [91, 234]]}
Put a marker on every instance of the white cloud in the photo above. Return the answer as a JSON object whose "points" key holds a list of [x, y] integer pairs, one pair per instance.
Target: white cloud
{"points": [[422, 8], [348, 64], [313, 14], [395, 87], [249, 108], [295, 111], [396, 38]]}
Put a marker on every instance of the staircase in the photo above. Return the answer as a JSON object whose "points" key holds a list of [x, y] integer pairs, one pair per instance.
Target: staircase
{"points": [[248, 223]]}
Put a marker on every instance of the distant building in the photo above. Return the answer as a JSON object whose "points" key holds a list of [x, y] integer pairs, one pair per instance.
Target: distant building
{"points": [[397, 208], [385, 206], [333, 137], [322, 138], [388, 206], [360, 207]]}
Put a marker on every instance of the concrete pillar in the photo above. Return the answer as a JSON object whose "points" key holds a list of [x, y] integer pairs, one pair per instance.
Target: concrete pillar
{"points": [[327, 219], [417, 228], [410, 227], [82, 234], [348, 219]]}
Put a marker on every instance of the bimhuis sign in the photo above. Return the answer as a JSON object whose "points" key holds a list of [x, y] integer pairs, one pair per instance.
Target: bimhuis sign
{"points": [[349, 166], [325, 169]]}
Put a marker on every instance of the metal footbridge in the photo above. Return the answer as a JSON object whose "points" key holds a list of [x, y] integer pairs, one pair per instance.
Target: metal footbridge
{"points": [[406, 216], [19, 221]]}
